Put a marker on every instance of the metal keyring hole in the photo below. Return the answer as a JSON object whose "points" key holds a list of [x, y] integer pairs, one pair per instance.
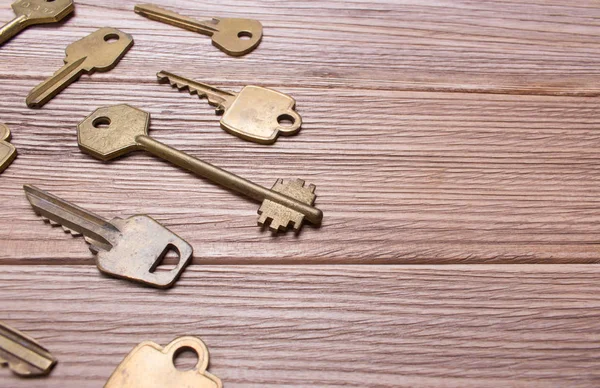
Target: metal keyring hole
{"points": [[245, 35], [185, 358], [286, 120], [101, 122], [111, 38]]}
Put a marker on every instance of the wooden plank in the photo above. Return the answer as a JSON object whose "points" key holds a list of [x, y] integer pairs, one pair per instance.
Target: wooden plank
{"points": [[376, 326], [408, 178]]}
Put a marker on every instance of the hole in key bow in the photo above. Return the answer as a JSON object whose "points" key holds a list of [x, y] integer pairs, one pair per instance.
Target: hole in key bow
{"points": [[101, 122], [185, 358], [245, 35], [111, 38], [286, 120], [168, 260]]}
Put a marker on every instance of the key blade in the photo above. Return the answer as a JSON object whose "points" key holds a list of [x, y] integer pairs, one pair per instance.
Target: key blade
{"points": [[43, 11], [221, 99], [100, 51], [159, 14], [23, 354], [278, 216], [98, 231]]}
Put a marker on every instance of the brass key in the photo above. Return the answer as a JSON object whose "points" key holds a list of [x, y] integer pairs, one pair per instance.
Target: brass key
{"points": [[99, 51], [114, 131], [23, 355], [255, 113], [149, 365], [30, 12], [8, 152], [235, 37], [129, 248]]}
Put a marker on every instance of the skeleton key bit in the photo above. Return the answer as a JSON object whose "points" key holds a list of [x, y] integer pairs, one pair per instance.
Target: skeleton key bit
{"points": [[129, 248], [255, 113], [113, 131], [101, 51], [23, 354], [235, 37], [8, 152], [30, 12]]}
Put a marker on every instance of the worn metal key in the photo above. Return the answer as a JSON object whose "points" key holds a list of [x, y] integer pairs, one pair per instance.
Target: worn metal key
{"points": [[30, 12], [23, 355], [8, 152], [255, 113], [114, 131], [129, 248], [235, 37], [99, 51]]}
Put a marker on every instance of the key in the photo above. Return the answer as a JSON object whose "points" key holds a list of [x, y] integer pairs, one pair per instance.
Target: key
{"points": [[129, 248], [8, 152], [113, 131], [99, 51], [23, 355], [255, 113], [30, 12], [149, 365], [235, 37]]}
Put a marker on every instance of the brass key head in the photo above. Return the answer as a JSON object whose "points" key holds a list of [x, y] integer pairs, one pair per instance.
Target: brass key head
{"points": [[101, 49], [140, 249], [43, 11], [237, 37], [258, 114], [8, 152], [111, 131]]}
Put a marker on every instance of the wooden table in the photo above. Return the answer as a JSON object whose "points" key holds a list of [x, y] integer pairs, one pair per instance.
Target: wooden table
{"points": [[455, 149]]}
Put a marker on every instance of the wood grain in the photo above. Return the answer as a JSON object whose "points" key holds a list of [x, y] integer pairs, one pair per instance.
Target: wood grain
{"points": [[354, 326]]}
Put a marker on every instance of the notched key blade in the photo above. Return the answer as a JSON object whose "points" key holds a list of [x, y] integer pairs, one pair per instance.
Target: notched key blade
{"points": [[23, 355], [221, 99]]}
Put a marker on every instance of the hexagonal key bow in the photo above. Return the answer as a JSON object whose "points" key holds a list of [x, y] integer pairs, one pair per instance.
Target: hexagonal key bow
{"points": [[113, 131]]}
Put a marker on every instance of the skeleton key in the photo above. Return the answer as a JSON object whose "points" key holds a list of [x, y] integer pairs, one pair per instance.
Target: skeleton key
{"points": [[8, 152], [235, 37], [114, 131], [30, 12], [23, 355], [149, 365], [129, 248], [101, 51], [255, 113]]}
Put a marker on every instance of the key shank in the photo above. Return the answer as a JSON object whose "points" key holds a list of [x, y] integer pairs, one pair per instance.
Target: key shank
{"points": [[45, 91], [163, 15], [227, 179], [12, 28]]}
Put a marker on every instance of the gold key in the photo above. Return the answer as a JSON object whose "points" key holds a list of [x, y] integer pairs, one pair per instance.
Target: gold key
{"points": [[30, 12], [149, 365], [114, 131], [255, 113], [235, 37], [129, 248], [99, 51], [23, 355], [8, 152]]}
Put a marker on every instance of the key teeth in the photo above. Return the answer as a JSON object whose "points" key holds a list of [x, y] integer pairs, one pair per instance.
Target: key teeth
{"points": [[55, 224], [191, 90]]}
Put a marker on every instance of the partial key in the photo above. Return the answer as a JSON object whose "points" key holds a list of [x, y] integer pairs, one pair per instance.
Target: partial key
{"points": [[8, 152], [129, 248], [99, 51], [235, 37], [30, 12], [150, 365], [114, 131], [255, 113], [23, 355]]}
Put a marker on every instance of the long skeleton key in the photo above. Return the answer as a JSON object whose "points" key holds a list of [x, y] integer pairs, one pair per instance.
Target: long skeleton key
{"points": [[99, 51], [235, 37], [30, 12], [114, 131], [23, 354], [129, 248], [255, 113]]}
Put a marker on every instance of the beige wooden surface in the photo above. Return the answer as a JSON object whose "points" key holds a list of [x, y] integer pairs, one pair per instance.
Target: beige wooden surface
{"points": [[436, 132]]}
